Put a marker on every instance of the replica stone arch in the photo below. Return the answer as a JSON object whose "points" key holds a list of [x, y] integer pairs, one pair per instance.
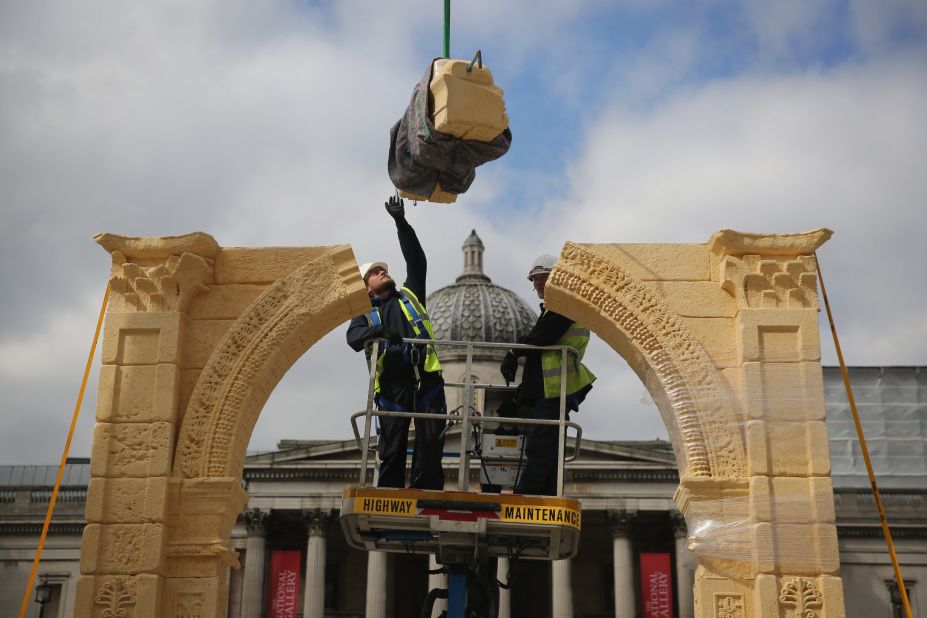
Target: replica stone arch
{"points": [[724, 335]]}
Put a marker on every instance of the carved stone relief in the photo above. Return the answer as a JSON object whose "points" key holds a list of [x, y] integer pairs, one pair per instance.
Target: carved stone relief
{"points": [[158, 275], [801, 597], [770, 283], [188, 605], [769, 271], [298, 306], [703, 409], [729, 606], [116, 598], [167, 287], [201, 522]]}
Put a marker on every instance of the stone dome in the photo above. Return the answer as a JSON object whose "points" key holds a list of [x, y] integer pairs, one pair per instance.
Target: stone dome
{"points": [[474, 309]]}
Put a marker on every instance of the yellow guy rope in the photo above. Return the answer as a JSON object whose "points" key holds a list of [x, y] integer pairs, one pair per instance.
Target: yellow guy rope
{"points": [[862, 443], [64, 457]]}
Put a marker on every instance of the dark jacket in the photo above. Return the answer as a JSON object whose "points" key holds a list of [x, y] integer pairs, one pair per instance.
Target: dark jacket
{"points": [[397, 382], [548, 330]]}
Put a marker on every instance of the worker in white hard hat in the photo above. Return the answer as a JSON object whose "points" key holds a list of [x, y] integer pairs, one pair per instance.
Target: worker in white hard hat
{"points": [[540, 383], [408, 375]]}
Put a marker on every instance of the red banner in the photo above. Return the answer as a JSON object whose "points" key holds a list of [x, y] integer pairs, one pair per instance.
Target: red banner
{"points": [[656, 586], [284, 583]]}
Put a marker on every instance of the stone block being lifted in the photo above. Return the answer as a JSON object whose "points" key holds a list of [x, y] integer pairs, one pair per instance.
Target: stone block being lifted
{"points": [[437, 196], [454, 123], [466, 104]]}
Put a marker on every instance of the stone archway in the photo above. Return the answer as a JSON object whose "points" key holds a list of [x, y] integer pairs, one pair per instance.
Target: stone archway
{"points": [[263, 343], [725, 337], [723, 334], [697, 406], [196, 338]]}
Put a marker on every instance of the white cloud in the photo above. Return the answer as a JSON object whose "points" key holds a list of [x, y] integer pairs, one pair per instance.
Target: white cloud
{"points": [[37, 356], [778, 153], [257, 125], [40, 377], [786, 28], [875, 24], [647, 74], [266, 124], [618, 407]]}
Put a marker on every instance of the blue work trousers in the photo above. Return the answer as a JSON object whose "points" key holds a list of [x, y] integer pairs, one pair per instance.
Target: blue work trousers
{"points": [[429, 442], [539, 476]]}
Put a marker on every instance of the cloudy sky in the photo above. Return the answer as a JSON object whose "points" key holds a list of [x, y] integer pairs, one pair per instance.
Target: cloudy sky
{"points": [[266, 123]]}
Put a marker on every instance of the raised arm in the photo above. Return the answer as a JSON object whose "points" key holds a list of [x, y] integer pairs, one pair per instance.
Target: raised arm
{"points": [[412, 252]]}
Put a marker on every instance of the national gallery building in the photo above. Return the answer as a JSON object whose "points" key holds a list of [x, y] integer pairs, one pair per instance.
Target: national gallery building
{"points": [[633, 542]]}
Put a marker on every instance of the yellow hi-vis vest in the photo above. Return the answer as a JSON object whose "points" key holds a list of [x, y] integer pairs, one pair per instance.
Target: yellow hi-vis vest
{"points": [[421, 325], [578, 376]]}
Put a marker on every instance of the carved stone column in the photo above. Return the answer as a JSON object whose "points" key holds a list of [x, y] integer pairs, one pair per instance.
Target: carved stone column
{"points": [[314, 593], [125, 552], [252, 598], [684, 564], [505, 595], [623, 559], [436, 580], [561, 590], [780, 517], [377, 566], [236, 582]]}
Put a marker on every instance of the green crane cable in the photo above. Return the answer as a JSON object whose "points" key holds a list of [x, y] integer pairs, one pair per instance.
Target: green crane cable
{"points": [[447, 28]]}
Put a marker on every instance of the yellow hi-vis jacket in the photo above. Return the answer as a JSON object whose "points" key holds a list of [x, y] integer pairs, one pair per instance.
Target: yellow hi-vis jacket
{"points": [[421, 325], [577, 375]]}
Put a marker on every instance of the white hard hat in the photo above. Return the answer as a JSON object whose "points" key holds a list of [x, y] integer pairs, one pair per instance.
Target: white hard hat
{"points": [[366, 268], [542, 264]]}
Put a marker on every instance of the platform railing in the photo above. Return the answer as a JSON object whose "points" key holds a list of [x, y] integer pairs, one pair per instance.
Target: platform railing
{"points": [[470, 417]]}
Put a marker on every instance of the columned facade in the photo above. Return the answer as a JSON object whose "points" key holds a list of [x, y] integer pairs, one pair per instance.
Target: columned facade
{"points": [[377, 570], [627, 493], [562, 589], [314, 592], [252, 593], [623, 561]]}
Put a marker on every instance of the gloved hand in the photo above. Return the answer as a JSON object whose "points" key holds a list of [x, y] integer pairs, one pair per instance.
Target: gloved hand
{"points": [[508, 408], [392, 336], [396, 208], [508, 367]]}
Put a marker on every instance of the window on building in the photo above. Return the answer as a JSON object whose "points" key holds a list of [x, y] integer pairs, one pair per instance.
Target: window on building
{"points": [[894, 594], [53, 607]]}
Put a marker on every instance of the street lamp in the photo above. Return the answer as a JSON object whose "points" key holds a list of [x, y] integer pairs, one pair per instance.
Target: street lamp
{"points": [[43, 594]]}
